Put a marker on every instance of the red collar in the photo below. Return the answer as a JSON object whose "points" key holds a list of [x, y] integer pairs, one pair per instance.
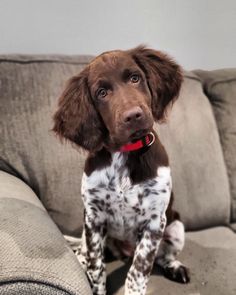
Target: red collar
{"points": [[145, 141]]}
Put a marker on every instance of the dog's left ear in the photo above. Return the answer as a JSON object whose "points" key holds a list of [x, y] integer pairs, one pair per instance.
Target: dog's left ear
{"points": [[164, 78]]}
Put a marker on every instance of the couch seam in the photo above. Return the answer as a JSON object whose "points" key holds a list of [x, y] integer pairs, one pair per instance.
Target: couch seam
{"points": [[50, 276], [8, 282], [57, 61], [220, 82]]}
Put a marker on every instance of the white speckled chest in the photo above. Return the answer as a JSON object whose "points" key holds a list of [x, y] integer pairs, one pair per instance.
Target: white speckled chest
{"points": [[110, 197]]}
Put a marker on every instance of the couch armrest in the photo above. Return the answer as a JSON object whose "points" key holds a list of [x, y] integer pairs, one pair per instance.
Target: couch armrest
{"points": [[34, 256]]}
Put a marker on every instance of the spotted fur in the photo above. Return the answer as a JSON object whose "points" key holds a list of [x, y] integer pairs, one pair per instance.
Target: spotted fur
{"points": [[117, 210]]}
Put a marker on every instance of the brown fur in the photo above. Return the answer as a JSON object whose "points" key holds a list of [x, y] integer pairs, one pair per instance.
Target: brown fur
{"points": [[144, 165]]}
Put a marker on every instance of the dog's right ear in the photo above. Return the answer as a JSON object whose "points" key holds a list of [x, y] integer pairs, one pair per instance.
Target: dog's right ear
{"points": [[76, 118]]}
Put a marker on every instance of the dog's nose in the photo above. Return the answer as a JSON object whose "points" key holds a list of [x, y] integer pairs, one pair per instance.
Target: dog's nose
{"points": [[133, 115]]}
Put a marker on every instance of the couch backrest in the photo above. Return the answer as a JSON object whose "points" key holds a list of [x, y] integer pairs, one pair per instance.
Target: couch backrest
{"points": [[29, 88], [220, 87], [200, 180]]}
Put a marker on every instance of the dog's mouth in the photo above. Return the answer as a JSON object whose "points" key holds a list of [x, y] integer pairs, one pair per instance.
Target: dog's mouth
{"points": [[138, 134]]}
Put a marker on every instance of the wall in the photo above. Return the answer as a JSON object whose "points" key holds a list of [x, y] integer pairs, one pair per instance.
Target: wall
{"points": [[198, 33]]}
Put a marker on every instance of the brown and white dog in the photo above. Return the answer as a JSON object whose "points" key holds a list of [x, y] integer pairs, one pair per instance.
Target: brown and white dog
{"points": [[109, 110]]}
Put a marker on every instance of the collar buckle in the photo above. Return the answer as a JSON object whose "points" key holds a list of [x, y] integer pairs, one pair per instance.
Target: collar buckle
{"points": [[152, 138]]}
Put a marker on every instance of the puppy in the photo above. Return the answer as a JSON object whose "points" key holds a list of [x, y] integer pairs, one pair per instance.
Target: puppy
{"points": [[109, 110]]}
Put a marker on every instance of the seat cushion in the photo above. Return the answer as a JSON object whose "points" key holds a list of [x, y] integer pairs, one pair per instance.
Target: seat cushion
{"points": [[210, 255], [220, 86]]}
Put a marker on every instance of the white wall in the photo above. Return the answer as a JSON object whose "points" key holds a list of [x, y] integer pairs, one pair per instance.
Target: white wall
{"points": [[198, 33]]}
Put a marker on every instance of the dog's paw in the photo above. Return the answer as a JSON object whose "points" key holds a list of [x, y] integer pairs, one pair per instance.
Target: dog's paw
{"points": [[179, 274]]}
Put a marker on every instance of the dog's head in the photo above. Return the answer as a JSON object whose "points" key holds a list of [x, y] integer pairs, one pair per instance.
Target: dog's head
{"points": [[117, 97]]}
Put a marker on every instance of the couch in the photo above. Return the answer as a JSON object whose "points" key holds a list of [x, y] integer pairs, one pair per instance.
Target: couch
{"points": [[40, 182]]}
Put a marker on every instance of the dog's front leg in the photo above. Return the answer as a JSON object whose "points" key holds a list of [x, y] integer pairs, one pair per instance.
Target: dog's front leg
{"points": [[94, 235], [144, 257]]}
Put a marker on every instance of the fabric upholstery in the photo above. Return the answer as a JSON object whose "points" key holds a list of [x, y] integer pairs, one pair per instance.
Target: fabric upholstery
{"points": [[212, 265], [220, 87], [233, 226], [34, 256], [30, 87], [13, 188], [200, 182]]}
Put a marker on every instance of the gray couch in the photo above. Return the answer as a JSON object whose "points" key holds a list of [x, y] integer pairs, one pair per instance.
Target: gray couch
{"points": [[40, 182]]}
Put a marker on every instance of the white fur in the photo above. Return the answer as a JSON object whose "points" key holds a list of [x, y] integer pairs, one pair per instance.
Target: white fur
{"points": [[124, 223]]}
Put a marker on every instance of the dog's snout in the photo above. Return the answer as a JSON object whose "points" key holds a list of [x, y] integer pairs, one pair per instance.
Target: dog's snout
{"points": [[133, 115]]}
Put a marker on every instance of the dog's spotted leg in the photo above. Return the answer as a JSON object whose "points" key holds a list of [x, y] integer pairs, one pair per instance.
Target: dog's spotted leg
{"points": [[144, 257], [92, 254], [81, 251], [171, 245]]}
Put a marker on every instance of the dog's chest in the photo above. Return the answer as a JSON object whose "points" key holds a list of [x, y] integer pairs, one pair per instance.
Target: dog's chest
{"points": [[109, 196]]}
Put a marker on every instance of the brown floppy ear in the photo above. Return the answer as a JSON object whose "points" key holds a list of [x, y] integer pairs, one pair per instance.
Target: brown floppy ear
{"points": [[164, 78], [76, 118]]}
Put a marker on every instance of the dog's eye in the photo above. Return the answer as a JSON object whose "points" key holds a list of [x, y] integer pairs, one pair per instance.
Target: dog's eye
{"points": [[135, 78], [101, 93]]}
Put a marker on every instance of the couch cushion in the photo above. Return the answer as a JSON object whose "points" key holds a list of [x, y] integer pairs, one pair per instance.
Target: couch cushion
{"points": [[13, 187], [210, 255], [29, 89], [220, 87], [191, 138], [34, 256]]}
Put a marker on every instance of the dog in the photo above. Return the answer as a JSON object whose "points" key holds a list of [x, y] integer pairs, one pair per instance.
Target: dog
{"points": [[109, 110]]}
